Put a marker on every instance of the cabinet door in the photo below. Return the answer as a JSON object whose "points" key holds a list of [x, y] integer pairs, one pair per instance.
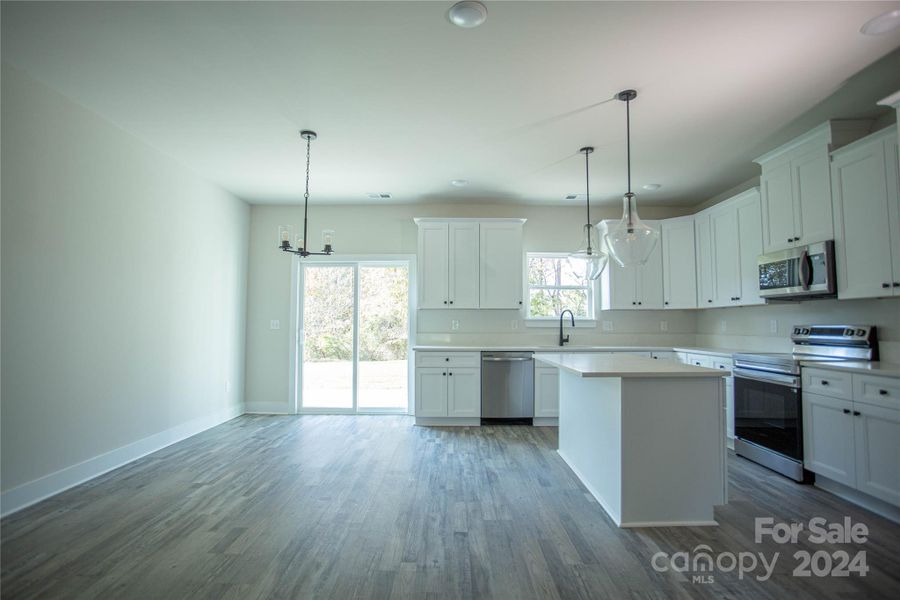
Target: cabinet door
{"points": [[619, 289], [877, 435], [431, 392], [893, 180], [812, 197], [433, 261], [862, 223], [464, 392], [463, 291], [828, 437], [649, 291], [726, 267], [501, 266], [777, 207], [546, 392], [749, 225], [704, 261], [679, 264]]}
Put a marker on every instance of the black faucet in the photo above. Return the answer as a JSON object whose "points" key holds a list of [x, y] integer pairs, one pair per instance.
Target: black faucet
{"points": [[563, 340]]}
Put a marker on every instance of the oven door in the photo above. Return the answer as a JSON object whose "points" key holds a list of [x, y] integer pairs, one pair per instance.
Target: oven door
{"points": [[767, 411]]}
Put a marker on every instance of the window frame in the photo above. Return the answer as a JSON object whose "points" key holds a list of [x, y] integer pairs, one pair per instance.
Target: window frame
{"points": [[591, 287]]}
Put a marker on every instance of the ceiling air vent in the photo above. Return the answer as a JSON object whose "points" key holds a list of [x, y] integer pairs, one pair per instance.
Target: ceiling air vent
{"points": [[572, 196], [379, 195]]}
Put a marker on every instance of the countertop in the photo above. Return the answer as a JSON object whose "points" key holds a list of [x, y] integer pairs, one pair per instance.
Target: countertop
{"points": [[624, 366], [863, 367], [557, 349]]}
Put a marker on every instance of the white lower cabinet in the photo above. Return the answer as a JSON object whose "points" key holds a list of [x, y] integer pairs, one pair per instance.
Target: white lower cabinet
{"points": [[828, 437], [855, 442], [726, 364], [463, 392], [448, 385], [673, 356], [546, 392]]}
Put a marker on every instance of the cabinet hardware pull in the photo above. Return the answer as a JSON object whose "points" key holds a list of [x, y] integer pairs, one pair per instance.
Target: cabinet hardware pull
{"points": [[709, 300], [445, 302], [446, 360], [846, 411], [790, 240], [885, 285], [640, 303], [520, 302], [667, 302], [824, 382], [856, 413], [451, 302], [444, 374], [897, 284], [451, 374], [883, 392]]}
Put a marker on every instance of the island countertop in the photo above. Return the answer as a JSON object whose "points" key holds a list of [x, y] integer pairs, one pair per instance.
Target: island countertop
{"points": [[625, 366]]}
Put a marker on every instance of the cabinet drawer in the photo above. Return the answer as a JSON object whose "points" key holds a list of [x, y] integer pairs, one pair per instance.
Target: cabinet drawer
{"points": [[448, 359], [880, 391], [725, 364], [828, 383], [700, 360]]}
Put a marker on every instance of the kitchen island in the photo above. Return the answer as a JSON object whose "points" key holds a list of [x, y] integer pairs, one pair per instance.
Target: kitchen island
{"points": [[645, 437]]}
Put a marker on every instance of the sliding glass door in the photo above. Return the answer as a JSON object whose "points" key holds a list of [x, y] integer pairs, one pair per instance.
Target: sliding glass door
{"points": [[354, 334]]}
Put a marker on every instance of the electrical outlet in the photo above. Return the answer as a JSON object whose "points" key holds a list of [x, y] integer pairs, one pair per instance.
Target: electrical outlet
{"points": [[607, 325], [274, 324], [454, 324], [723, 325], [663, 325], [773, 326], [514, 324]]}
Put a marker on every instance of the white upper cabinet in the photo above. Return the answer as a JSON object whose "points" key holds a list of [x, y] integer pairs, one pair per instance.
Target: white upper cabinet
{"points": [[703, 242], [633, 287], [467, 263], [463, 266], [679, 263], [729, 242], [749, 222], [796, 185], [434, 265], [501, 264], [867, 217]]}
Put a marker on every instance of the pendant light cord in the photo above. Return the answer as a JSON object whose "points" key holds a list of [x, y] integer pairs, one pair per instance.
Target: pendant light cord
{"points": [[587, 190], [306, 194], [629, 195]]}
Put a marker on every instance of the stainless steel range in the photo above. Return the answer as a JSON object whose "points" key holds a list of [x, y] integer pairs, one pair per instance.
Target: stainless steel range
{"points": [[768, 420]]}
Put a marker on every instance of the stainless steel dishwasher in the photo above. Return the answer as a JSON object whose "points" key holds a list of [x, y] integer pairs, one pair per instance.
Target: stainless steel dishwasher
{"points": [[507, 385]]}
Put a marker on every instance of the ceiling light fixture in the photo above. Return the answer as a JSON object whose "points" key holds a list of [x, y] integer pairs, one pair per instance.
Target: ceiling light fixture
{"points": [[467, 14], [883, 23], [459, 182], [590, 250], [630, 241], [284, 231]]}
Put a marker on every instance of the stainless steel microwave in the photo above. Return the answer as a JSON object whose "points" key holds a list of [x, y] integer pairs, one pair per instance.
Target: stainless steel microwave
{"points": [[798, 273]]}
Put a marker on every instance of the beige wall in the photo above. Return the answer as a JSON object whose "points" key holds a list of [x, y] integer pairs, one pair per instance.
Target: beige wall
{"points": [[124, 283]]}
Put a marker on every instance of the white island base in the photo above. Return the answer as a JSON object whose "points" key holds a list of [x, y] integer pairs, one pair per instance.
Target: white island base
{"points": [[650, 447]]}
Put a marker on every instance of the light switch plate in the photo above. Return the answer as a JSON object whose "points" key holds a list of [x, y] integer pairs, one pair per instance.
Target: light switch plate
{"points": [[607, 325], [514, 324], [274, 324], [723, 325], [773, 326], [454, 324], [663, 325]]}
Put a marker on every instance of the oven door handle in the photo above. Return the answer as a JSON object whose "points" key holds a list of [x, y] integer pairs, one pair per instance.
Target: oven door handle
{"points": [[774, 378]]}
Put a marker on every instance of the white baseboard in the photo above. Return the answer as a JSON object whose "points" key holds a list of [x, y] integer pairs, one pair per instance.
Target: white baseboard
{"points": [[22, 496], [876, 505], [267, 408]]}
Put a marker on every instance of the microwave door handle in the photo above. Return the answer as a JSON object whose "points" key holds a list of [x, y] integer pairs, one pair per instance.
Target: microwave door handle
{"points": [[805, 270]]}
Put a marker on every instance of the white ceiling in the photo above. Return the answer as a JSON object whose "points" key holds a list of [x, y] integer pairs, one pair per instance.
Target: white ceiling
{"points": [[404, 102]]}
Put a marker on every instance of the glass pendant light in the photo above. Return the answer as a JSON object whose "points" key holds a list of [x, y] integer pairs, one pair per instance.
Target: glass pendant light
{"points": [[590, 250], [630, 241]]}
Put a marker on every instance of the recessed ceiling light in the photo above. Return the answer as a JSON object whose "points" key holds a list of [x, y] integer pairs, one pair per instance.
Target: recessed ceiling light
{"points": [[571, 196], [459, 182], [883, 23], [467, 14], [652, 186]]}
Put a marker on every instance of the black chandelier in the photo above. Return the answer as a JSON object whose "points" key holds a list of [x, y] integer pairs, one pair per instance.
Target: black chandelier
{"points": [[327, 235]]}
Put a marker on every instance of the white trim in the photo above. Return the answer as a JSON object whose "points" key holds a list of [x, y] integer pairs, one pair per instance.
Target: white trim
{"points": [[892, 100], [268, 408], [25, 495], [591, 287]]}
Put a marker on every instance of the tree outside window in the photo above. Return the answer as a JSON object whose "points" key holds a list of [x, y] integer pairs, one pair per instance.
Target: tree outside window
{"points": [[557, 282]]}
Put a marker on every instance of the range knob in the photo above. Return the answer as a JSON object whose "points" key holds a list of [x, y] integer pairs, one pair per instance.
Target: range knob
{"points": [[805, 331], [796, 330], [848, 332], [860, 332]]}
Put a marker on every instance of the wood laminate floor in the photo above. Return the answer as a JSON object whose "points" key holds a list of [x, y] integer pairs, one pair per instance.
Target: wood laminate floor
{"points": [[374, 507]]}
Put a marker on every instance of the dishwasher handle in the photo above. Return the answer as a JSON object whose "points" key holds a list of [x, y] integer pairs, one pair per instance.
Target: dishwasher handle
{"points": [[512, 359]]}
